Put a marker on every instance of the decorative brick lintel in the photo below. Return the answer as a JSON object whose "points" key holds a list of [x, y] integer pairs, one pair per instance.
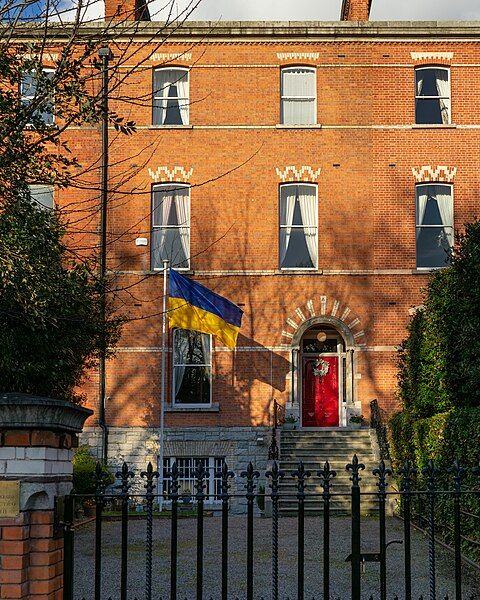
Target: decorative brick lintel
{"points": [[440, 173]]}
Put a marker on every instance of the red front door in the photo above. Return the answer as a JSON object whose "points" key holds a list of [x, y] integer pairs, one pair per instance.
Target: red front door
{"points": [[320, 392]]}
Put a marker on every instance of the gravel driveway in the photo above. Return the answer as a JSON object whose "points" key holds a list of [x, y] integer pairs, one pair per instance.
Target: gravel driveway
{"points": [[340, 573]]}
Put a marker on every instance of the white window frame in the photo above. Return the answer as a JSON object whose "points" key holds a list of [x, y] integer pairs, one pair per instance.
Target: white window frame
{"points": [[417, 226], [284, 98], [159, 186], [280, 226], [179, 98], [43, 185], [449, 97], [198, 405], [29, 98], [213, 482]]}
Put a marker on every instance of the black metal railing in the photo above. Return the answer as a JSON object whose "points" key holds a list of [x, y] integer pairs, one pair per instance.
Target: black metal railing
{"points": [[304, 481], [278, 418], [378, 422]]}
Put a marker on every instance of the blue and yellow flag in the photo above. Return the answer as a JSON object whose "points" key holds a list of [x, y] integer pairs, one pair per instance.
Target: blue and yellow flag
{"points": [[193, 306]]}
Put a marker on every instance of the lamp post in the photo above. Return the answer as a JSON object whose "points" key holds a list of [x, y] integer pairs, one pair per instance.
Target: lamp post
{"points": [[105, 55]]}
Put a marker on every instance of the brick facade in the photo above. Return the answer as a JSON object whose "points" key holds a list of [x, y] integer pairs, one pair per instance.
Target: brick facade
{"points": [[365, 153]]}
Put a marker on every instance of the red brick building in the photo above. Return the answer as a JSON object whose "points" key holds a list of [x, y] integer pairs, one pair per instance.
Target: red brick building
{"points": [[311, 172]]}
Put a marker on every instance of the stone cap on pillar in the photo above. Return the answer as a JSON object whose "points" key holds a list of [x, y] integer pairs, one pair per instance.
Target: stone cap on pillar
{"points": [[36, 439], [24, 411]]}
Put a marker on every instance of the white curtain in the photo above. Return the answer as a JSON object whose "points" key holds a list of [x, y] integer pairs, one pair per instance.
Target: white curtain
{"points": [[206, 339], [162, 207], [443, 89], [182, 87], [287, 208], [298, 97], [180, 354], [162, 81], [445, 206], [298, 112], [298, 82], [308, 209], [422, 197], [182, 201], [419, 82]]}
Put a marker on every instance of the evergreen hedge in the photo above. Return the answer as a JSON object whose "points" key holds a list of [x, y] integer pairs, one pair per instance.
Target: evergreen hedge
{"points": [[439, 385], [442, 438], [439, 360]]}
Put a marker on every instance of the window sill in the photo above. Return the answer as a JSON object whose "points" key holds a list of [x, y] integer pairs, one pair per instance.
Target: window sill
{"points": [[423, 270], [170, 126], [299, 272], [182, 271], [313, 126], [434, 126], [214, 407]]}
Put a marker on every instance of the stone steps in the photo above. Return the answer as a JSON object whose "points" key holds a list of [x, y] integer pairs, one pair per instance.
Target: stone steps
{"points": [[314, 448]]}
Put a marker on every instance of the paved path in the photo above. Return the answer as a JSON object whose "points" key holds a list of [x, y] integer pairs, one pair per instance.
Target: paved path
{"points": [[340, 574]]}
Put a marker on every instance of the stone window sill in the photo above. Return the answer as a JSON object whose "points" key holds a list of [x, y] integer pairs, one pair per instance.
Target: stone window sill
{"points": [[433, 126], [299, 272], [312, 126], [171, 126], [423, 270], [214, 407]]}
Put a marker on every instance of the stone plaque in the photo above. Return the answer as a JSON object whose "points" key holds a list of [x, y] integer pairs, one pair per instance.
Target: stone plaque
{"points": [[9, 499]]}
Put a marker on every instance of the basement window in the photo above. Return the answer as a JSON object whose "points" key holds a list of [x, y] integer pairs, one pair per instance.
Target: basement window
{"points": [[187, 480]]}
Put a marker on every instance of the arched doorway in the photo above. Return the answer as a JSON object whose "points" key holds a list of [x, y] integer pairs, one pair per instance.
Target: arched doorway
{"points": [[324, 376]]}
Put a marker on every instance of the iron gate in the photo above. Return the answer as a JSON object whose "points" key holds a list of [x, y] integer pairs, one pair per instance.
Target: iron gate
{"points": [[413, 487]]}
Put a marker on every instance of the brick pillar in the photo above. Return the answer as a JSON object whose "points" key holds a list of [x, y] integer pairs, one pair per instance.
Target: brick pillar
{"points": [[355, 10], [35, 468]]}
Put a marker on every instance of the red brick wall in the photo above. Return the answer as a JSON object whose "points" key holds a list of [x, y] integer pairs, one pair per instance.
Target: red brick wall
{"points": [[366, 149], [31, 558]]}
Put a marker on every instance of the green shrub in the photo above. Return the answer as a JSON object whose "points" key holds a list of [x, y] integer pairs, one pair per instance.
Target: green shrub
{"points": [[442, 438], [52, 316], [84, 466], [439, 368], [400, 440]]}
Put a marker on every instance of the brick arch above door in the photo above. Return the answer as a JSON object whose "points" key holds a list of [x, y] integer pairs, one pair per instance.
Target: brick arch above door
{"points": [[328, 310]]}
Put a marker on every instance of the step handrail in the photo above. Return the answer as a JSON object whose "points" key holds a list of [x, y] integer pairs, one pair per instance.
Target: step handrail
{"points": [[278, 418]]}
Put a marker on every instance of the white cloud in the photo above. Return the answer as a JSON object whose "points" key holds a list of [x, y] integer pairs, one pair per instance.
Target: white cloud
{"points": [[66, 10]]}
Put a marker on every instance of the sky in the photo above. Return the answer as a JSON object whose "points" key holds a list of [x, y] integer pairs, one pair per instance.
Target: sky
{"points": [[301, 10], [298, 10]]}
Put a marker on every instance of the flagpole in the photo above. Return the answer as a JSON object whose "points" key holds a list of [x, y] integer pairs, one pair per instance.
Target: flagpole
{"points": [[163, 383]]}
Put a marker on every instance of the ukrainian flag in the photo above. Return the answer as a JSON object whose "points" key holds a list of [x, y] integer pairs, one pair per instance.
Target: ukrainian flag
{"points": [[193, 306]]}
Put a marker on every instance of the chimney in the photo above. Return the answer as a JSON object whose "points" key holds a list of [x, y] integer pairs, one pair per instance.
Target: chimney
{"points": [[355, 10], [127, 10]]}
